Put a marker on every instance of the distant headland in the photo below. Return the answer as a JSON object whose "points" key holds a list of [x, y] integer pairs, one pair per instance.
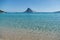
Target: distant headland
{"points": [[1, 11], [28, 10], [57, 12]]}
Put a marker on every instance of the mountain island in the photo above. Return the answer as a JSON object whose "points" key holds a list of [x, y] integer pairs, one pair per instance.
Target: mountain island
{"points": [[28, 10]]}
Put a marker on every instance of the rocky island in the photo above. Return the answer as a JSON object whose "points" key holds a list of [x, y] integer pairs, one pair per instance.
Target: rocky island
{"points": [[28, 10], [1, 11]]}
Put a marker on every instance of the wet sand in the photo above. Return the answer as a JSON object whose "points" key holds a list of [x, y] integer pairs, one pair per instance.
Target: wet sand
{"points": [[24, 34]]}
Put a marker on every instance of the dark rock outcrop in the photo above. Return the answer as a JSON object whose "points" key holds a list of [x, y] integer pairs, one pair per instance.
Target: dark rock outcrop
{"points": [[28, 10], [1, 11], [57, 12]]}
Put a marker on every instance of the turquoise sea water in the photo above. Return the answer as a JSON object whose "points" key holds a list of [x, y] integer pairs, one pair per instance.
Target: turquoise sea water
{"points": [[29, 26], [32, 21]]}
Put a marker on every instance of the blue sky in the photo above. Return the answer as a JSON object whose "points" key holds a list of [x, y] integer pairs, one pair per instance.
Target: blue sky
{"points": [[36, 5]]}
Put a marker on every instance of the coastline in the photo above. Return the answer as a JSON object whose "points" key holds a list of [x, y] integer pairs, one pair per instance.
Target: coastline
{"points": [[23, 34]]}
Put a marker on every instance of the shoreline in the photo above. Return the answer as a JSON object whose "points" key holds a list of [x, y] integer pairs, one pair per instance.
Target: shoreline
{"points": [[23, 34]]}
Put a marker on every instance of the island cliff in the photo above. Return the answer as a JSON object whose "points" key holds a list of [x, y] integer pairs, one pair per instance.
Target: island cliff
{"points": [[28, 10]]}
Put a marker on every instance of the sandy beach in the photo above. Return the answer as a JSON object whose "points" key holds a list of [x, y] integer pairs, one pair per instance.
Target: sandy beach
{"points": [[23, 34]]}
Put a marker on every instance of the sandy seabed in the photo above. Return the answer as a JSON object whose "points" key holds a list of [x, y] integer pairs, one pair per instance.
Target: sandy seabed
{"points": [[24, 34]]}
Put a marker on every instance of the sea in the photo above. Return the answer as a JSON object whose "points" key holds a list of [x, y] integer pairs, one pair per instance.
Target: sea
{"points": [[30, 26]]}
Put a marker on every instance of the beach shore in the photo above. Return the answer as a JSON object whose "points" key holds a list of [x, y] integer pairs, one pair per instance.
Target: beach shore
{"points": [[23, 34]]}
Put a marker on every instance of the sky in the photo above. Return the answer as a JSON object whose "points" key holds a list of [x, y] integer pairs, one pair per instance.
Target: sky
{"points": [[35, 5]]}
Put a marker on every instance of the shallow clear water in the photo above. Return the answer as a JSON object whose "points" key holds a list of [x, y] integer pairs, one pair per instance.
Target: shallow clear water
{"points": [[44, 22], [34, 21]]}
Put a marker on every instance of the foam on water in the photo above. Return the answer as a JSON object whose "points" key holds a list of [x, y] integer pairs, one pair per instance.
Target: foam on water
{"points": [[24, 26]]}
